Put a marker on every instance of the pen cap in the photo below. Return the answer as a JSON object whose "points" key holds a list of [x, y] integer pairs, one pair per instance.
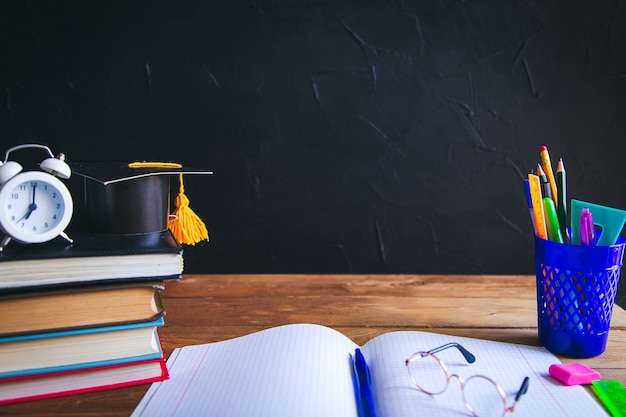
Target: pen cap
{"points": [[119, 199], [587, 228]]}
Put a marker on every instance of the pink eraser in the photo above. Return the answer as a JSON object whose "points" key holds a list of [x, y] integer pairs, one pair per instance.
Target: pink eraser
{"points": [[574, 373]]}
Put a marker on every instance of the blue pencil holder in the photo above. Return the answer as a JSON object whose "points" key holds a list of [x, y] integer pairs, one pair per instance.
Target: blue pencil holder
{"points": [[576, 288]]}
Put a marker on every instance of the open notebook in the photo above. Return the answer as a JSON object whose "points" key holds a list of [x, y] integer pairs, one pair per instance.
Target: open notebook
{"points": [[306, 370]]}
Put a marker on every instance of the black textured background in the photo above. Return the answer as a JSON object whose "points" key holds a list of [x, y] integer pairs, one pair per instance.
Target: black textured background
{"points": [[345, 136]]}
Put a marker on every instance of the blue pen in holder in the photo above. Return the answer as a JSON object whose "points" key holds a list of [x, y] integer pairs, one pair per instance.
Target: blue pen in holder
{"points": [[576, 288]]}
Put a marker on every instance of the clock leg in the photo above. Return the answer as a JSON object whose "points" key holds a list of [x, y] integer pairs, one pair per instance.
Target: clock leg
{"points": [[66, 237], [5, 241]]}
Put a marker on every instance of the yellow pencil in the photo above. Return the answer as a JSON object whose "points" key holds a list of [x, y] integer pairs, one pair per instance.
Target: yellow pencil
{"points": [[547, 167], [535, 195]]}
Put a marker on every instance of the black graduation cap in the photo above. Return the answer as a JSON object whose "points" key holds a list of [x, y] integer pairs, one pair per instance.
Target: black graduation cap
{"points": [[123, 198]]}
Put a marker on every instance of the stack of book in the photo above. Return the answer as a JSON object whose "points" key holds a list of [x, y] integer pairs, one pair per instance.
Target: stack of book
{"points": [[83, 317]]}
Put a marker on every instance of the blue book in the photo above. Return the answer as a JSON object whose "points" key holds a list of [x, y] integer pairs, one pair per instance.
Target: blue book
{"points": [[78, 349]]}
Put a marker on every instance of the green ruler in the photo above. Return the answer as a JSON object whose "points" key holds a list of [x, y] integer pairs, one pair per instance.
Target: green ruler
{"points": [[612, 394]]}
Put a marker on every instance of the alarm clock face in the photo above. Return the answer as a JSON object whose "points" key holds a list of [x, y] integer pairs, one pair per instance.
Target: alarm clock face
{"points": [[34, 207]]}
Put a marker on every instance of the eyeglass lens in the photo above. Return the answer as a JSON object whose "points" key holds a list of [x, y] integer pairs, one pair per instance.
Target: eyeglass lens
{"points": [[482, 396], [428, 374]]}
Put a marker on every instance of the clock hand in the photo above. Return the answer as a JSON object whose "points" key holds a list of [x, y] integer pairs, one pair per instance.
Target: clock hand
{"points": [[27, 215], [31, 207]]}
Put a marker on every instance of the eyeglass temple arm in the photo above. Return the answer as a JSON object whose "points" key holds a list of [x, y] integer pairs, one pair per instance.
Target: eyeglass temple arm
{"points": [[466, 353], [523, 389]]}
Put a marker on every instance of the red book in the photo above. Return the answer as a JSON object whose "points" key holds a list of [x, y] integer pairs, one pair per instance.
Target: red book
{"points": [[57, 384]]}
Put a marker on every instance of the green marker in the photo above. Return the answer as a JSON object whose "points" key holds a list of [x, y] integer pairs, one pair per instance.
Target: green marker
{"points": [[552, 221]]}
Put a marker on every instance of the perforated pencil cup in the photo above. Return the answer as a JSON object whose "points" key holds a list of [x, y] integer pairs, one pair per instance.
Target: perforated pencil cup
{"points": [[576, 288]]}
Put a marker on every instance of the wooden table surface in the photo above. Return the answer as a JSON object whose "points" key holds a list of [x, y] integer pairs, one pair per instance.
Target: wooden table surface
{"points": [[208, 308]]}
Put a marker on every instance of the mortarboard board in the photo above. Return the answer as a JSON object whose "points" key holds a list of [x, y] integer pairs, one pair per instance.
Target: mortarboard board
{"points": [[122, 198]]}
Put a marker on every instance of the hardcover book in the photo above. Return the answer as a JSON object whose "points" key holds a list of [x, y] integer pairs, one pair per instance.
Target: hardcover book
{"points": [[41, 353], [92, 258], [79, 307], [41, 386]]}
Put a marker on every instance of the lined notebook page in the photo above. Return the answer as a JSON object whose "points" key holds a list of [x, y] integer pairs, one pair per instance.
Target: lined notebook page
{"points": [[305, 370], [505, 363], [296, 370]]}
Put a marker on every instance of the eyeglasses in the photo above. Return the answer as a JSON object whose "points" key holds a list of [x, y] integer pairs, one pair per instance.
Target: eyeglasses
{"points": [[483, 396]]}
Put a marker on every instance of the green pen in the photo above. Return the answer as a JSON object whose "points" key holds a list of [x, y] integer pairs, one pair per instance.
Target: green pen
{"points": [[552, 221]]}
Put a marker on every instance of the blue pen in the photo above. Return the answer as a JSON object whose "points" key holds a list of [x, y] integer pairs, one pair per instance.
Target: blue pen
{"points": [[529, 202], [365, 400]]}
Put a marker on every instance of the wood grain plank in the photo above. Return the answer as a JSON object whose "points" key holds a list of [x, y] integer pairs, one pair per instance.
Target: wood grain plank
{"points": [[339, 285], [371, 311]]}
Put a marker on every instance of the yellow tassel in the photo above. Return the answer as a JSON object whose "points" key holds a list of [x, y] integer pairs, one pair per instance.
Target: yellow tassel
{"points": [[187, 228]]}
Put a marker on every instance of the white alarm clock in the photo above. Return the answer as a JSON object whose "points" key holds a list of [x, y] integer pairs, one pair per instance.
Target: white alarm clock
{"points": [[35, 206]]}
